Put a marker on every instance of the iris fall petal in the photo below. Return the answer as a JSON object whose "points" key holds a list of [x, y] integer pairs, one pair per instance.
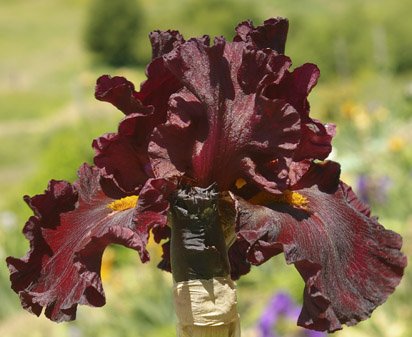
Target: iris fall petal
{"points": [[349, 262], [71, 228]]}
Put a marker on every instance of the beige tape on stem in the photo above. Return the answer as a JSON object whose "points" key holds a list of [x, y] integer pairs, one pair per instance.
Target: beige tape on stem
{"points": [[207, 308]]}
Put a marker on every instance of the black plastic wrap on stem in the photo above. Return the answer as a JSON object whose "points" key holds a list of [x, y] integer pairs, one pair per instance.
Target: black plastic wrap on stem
{"points": [[198, 249]]}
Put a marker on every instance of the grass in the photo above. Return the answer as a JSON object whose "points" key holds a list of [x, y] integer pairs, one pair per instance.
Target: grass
{"points": [[47, 85], [36, 47], [26, 105]]}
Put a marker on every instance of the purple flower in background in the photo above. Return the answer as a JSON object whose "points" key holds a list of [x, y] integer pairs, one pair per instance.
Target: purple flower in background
{"points": [[373, 189], [281, 305], [362, 188]]}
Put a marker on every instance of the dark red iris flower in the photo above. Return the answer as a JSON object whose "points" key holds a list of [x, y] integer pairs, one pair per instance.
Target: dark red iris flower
{"points": [[231, 114]]}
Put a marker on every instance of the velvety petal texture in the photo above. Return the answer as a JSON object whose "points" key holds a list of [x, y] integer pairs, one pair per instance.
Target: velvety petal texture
{"points": [[164, 42], [295, 88], [213, 110], [120, 92], [218, 129], [152, 209], [272, 34], [349, 262], [71, 227], [123, 157]]}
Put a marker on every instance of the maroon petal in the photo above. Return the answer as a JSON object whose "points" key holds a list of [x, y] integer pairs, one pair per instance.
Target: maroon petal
{"points": [[302, 80], [62, 195], [158, 87], [123, 166], [172, 143], [152, 97], [239, 264], [123, 156], [153, 206], [297, 170], [151, 214], [120, 92], [294, 88], [271, 35], [68, 234], [163, 42], [349, 262], [316, 141], [258, 66], [154, 92], [214, 124]]}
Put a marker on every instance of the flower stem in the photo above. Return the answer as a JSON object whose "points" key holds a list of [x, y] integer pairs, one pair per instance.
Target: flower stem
{"points": [[205, 295]]}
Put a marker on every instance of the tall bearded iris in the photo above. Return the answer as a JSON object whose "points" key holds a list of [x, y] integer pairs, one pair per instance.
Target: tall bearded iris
{"points": [[217, 152]]}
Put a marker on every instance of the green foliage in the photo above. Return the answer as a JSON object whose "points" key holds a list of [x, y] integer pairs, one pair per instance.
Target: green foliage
{"points": [[25, 105], [215, 17], [397, 24], [348, 38], [112, 29], [194, 18], [64, 151], [336, 46]]}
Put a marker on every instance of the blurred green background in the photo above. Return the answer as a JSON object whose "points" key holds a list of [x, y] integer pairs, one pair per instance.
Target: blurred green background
{"points": [[48, 117]]}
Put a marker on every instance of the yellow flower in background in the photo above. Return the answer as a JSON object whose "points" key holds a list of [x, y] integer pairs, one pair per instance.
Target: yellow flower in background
{"points": [[396, 144], [381, 113], [107, 264], [154, 248], [348, 109], [348, 178], [362, 117], [382, 321], [358, 113]]}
